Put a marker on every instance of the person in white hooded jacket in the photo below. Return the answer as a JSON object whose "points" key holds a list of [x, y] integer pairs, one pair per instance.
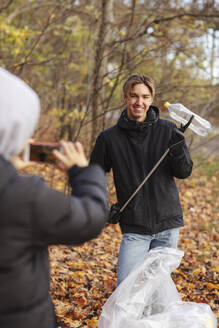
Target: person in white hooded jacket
{"points": [[33, 216]]}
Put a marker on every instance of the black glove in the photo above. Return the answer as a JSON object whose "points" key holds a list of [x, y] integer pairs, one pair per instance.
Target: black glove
{"points": [[114, 215], [176, 142]]}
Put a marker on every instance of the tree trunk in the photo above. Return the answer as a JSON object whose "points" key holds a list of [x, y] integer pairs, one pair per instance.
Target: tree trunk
{"points": [[100, 67]]}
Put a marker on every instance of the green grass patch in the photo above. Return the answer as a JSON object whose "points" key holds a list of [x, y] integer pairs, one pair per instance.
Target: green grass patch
{"points": [[207, 166]]}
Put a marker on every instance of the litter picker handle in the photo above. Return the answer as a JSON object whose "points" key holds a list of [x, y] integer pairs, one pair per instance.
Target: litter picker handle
{"points": [[145, 179], [184, 127]]}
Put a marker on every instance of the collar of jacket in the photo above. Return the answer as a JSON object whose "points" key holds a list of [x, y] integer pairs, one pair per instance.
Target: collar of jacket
{"points": [[152, 117]]}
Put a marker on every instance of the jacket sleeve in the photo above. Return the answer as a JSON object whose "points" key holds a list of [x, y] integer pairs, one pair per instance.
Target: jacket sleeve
{"points": [[63, 219], [180, 160], [100, 154]]}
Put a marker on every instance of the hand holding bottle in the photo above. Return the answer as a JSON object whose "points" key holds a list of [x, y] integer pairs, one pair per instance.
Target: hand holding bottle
{"points": [[177, 137]]}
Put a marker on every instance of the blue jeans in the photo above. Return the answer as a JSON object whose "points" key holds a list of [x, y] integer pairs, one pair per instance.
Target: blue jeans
{"points": [[135, 246]]}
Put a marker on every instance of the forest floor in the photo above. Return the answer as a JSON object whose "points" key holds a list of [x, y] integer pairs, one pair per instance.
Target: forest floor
{"points": [[83, 278]]}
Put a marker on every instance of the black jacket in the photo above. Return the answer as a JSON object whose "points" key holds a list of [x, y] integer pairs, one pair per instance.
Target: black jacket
{"points": [[33, 216], [131, 149]]}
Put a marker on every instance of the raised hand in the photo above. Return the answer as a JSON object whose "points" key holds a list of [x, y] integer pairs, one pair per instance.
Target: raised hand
{"points": [[72, 154]]}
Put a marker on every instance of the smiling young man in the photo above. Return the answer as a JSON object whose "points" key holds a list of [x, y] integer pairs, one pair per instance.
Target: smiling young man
{"points": [[131, 148]]}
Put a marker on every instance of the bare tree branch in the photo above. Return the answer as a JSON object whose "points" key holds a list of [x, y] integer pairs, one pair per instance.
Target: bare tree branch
{"points": [[24, 62], [67, 12], [161, 20], [6, 6]]}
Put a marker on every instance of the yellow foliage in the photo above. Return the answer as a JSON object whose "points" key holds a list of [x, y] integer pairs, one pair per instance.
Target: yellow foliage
{"points": [[92, 323], [122, 33], [188, 194], [213, 286]]}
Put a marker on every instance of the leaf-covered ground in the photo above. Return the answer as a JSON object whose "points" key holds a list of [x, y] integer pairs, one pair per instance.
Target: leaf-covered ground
{"points": [[82, 278]]}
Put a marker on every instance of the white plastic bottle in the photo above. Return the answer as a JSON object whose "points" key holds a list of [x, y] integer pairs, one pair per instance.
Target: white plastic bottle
{"points": [[182, 114]]}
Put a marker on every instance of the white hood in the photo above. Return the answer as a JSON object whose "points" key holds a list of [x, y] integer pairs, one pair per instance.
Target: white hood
{"points": [[19, 113]]}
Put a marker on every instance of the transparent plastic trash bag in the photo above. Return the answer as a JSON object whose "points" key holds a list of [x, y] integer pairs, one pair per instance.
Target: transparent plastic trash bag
{"points": [[148, 298]]}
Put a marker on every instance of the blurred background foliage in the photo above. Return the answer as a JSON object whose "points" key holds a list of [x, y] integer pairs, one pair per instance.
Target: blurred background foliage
{"points": [[77, 54]]}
